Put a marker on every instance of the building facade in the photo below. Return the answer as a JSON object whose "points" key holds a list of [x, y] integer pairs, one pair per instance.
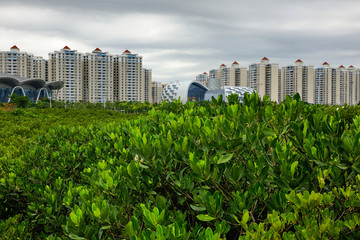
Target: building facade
{"points": [[156, 88], [98, 84], [67, 65], [264, 79], [147, 79], [129, 79], [323, 84], [202, 78], [39, 68], [297, 78], [230, 76], [16, 63]]}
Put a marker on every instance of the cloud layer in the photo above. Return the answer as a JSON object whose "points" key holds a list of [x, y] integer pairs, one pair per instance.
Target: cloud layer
{"points": [[180, 39]]}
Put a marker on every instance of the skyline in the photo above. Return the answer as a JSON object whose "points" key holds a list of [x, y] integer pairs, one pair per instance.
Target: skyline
{"points": [[179, 40]]}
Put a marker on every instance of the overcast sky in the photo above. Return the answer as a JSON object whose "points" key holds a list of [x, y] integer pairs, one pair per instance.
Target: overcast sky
{"points": [[180, 39]]}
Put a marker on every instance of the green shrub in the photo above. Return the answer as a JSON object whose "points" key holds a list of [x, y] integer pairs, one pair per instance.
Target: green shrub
{"points": [[256, 170]]}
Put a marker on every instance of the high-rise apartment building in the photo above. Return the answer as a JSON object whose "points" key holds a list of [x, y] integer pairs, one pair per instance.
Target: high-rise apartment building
{"points": [[230, 76], [264, 79], [147, 79], [98, 75], [297, 78], [202, 78], [156, 88], [355, 78], [353, 86], [323, 84], [345, 86], [67, 65], [16, 63], [39, 66], [128, 78]]}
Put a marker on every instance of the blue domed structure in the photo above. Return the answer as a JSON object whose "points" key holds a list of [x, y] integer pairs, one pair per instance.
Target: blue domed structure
{"points": [[186, 91]]}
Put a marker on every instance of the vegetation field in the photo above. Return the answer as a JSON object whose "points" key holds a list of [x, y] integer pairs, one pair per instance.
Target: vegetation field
{"points": [[19, 127], [214, 170]]}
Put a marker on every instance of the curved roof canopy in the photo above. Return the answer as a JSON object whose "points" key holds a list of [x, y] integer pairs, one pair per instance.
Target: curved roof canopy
{"points": [[10, 81], [36, 83], [55, 85], [14, 81]]}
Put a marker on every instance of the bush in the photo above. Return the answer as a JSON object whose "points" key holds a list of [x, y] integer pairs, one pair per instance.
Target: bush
{"points": [[20, 101], [255, 170]]}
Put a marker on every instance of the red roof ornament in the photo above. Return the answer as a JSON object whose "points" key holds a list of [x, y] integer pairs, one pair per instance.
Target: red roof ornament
{"points": [[222, 65], [341, 66], [66, 47], [205, 73], [127, 51], [325, 63], [351, 66], [14, 47], [265, 59], [298, 61], [97, 50], [235, 62]]}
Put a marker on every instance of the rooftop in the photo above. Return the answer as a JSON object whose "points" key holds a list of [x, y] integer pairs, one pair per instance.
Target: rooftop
{"points": [[14, 47]]}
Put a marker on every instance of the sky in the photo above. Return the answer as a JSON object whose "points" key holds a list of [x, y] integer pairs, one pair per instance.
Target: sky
{"points": [[180, 39]]}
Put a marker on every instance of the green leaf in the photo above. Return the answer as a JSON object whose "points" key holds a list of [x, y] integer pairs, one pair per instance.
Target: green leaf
{"points": [[205, 218], [197, 122], [341, 166], [268, 112], [96, 210], [225, 158], [159, 232], [198, 208], [74, 219], [293, 167], [208, 233], [347, 144], [268, 132], [74, 236], [245, 217], [105, 227]]}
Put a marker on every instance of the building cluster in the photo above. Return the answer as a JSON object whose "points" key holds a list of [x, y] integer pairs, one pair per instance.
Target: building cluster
{"points": [[94, 77], [322, 85], [194, 91]]}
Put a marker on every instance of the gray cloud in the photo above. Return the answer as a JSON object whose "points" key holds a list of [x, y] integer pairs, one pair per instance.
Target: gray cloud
{"points": [[179, 39]]}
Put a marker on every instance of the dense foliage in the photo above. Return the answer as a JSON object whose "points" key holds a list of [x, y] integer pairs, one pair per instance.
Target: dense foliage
{"points": [[255, 170], [121, 106], [19, 126]]}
